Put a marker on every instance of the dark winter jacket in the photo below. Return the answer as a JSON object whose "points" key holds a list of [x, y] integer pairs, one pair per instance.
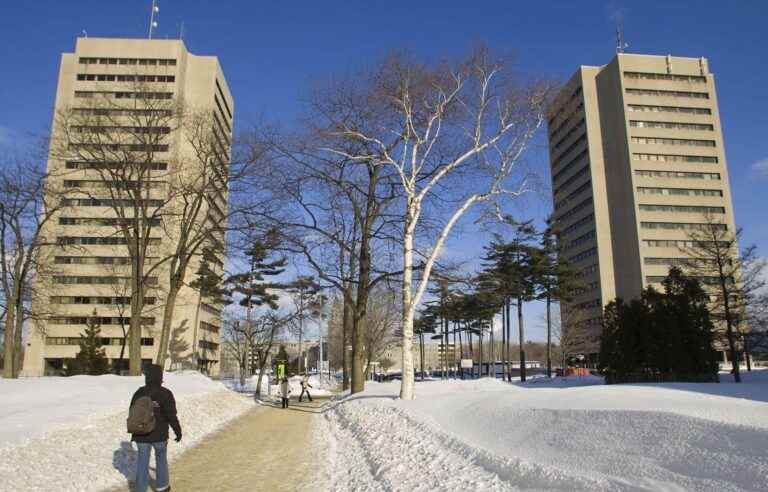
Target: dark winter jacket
{"points": [[164, 404]]}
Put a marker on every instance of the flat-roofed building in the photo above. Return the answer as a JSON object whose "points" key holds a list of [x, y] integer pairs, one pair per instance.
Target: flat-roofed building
{"points": [[637, 160], [87, 278]]}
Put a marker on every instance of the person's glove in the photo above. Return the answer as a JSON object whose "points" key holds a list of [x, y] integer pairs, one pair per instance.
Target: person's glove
{"points": [[178, 438]]}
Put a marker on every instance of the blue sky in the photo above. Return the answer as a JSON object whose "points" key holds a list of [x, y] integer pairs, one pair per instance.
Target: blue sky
{"points": [[272, 51]]}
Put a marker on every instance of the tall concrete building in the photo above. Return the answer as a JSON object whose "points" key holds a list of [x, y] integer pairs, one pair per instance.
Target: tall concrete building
{"points": [[637, 161], [85, 275]]}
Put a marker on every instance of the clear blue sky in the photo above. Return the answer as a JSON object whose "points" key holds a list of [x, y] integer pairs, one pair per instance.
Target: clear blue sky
{"points": [[271, 51]]}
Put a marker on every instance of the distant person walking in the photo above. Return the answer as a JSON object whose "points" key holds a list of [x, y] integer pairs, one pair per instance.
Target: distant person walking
{"points": [[285, 391], [305, 388], [152, 411]]}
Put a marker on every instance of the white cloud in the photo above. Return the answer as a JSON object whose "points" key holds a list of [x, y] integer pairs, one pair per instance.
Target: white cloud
{"points": [[760, 168]]}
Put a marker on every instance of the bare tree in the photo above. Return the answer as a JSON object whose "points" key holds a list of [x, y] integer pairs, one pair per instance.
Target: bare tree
{"points": [[457, 130], [731, 278], [382, 324], [28, 203], [268, 328]]}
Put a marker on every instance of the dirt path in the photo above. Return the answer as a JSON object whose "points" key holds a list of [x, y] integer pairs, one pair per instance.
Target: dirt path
{"points": [[265, 449]]}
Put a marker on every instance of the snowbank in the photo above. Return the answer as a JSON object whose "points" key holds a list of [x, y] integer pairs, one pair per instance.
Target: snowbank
{"points": [[69, 433], [567, 434]]}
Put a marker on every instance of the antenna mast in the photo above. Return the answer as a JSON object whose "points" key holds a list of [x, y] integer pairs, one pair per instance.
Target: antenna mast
{"points": [[620, 44], [152, 16]]}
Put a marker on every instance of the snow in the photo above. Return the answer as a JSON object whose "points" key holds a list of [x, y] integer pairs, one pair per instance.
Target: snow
{"points": [[69, 433], [566, 433], [320, 387]]}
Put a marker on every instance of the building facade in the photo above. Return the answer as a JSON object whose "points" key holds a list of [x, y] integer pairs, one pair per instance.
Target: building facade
{"points": [[107, 85], [637, 161]]}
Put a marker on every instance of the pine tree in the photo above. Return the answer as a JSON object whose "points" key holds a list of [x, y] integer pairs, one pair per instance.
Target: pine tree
{"points": [[91, 358], [557, 278], [663, 336], [514, 265]]}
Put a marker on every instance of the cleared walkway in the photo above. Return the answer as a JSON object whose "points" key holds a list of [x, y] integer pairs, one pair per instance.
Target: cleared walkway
{"points": [[268, 448]]}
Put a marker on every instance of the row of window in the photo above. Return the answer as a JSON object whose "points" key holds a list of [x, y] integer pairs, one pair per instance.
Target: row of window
{"points": [[147, 342], [208, 345], [137, 147], [209, 327], [666, 93], [576, 94], [673, 141], [125, 78], [83, 279], [123, 111], [111, 202], [576, 176], [101, 183], [100, 241], [671, 124], [644, 190], [657, 279], [584, 238], [578, 191], [93, 260], [100, 320], [588, 219], [576, 128], [676, 174], [582, 139], [676, 243], [583, 255], [682, 225], [124, 94], [675, 158], [591, 304], [649, 108], [588, 270], [582, 157], [676, 261], [665, 76], [587, 202], [152, 166], [104, 221], [688, 209], [170, 62], [210, 309], [585, 288], [132, 130], [100, 300], [223, 99]]}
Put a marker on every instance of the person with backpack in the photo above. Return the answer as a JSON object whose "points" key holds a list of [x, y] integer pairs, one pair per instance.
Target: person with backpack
{"points": [[305, 387], [285, 391], [152, 411]]}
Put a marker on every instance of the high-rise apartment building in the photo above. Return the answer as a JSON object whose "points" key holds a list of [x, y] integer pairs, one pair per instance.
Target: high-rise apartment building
{"points": [[85, 275], [637, 161]]}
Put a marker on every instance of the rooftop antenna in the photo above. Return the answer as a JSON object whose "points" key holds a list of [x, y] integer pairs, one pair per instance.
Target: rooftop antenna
{"points": [[181, 31], [620, 44], [84, 33], [154, 15]]}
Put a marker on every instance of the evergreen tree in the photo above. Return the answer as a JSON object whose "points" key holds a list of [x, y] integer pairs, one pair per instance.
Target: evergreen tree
{"points": [[557, 278], [514, 265], [663, 336], [91, 358], [251, 284]]}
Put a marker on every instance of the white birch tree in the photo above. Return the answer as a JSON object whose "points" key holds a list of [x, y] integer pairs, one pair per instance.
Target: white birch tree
{"points": [[454, 133]]}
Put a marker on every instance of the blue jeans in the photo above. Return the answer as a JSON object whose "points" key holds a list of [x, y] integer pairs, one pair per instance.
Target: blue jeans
{"points": [[161, 464]]}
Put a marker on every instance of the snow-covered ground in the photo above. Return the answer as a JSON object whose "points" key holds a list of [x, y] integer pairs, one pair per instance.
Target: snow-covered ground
{"points": [[69, 433], [565, 434]]}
